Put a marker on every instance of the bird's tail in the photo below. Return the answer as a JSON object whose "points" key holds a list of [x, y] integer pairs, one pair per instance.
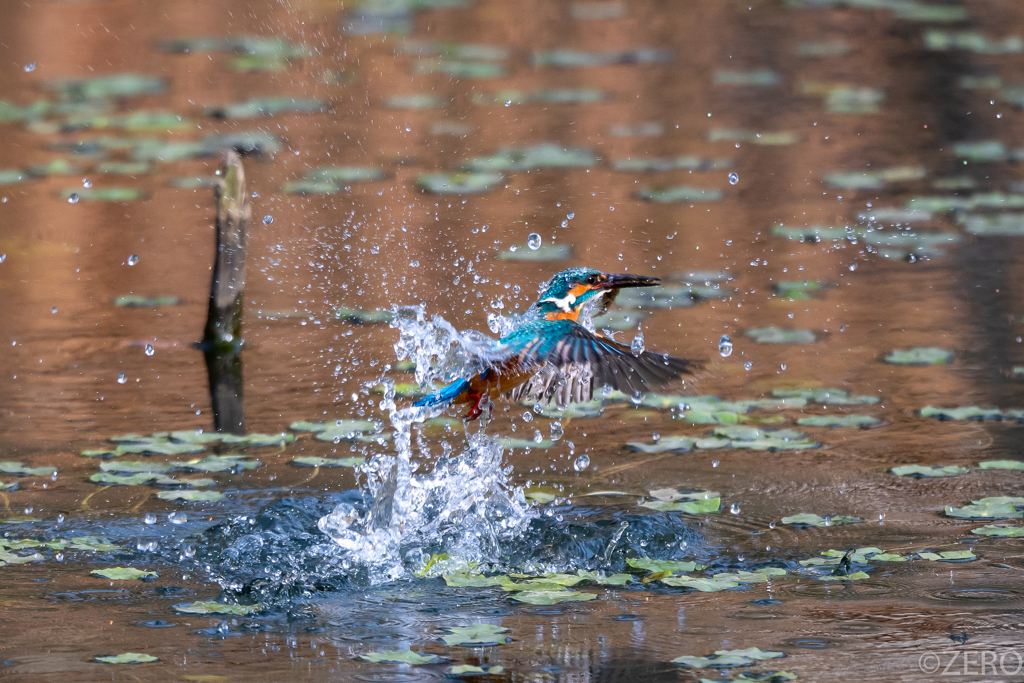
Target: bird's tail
{"points": [[446, 395]]}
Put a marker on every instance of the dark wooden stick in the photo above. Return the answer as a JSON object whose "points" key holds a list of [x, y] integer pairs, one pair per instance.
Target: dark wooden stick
{"points": [[222, 338]]}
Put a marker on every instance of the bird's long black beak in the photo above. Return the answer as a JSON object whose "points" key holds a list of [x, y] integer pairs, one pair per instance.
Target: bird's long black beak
{"points": [[624, 280]]}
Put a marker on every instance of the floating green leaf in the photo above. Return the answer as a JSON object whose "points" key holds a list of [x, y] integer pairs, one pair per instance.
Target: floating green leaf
{"points": [[1001, 465], [667, 566], [398, 657], [963, 413], [577, 58], [136, 466], [218, 463], [210, 607], [474, 580], [124, 574], [313, 461], [1000, 530], [855, 576], [459, 69], [514, 444], [271, 106], [832, 397], [195, 496], [919, 471], [948, 556], [535, 157], [775, 335], [997, 225], [605, 580], [11, 467], [930, 355], [135, 301], [458, 183], [137, 479], [755, 77], [666, 444], [693, 507], [997, 507], [11, 176], [195, 436], [469, 669], [551, 597], [93, 543], [728, 658], [258, 439], [127, 658], [679, 194], [838, 421], [8, 486], [751, 136], [808, 519], [659, 165], [477, 634], [104, 194], [184, 482]]}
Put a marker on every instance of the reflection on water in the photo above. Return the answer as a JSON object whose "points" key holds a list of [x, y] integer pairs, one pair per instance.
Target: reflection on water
{"points": [[830, 191]]}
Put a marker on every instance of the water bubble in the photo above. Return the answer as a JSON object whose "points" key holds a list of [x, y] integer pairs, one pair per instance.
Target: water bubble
{"points": [[30, 67], [150, 518], [714, 463], [581, 463], [637, 346], [725, 346], [121, 378], [86, 183], [268, 219], [73, 198], [149, 350], [527, 416], [60, 519], [533, 241], [734, 178], [734, 508], [133, 259], [747, 366]]}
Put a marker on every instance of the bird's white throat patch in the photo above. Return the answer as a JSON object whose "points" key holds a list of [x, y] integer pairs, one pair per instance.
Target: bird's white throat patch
{"points": [[564, 304]]}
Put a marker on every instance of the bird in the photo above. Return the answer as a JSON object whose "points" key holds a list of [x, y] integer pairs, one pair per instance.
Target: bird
{"points": [[552, 355]]}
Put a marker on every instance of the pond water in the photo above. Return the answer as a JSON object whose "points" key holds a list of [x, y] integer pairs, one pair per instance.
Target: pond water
{"points": [[830, 191]]}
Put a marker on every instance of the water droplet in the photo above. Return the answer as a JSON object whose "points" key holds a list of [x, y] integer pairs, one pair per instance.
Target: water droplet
{"points": [[881, 518], [177, 518], [513, 247], [565, 224], [3, 257], [508, 103], [537, 436], [30, 67], [527, 416], [133, 259], [734, 178], [60, 519], [73, 198], [783, 366], [734, 508], [533, 241], [771, 525], [255, 195], [637, 346], [86, 183], [189, 550], [121, 378], [53, 310], [150, 518], [28, 511], [714, 463], [747, 366], [828, 520], [725, 346], [853, 266], [556, 431], [414, 264], [53, 477], [655, 437], [59, 557], [268, 219], [571, 215], [149, 350], [581, 463]]}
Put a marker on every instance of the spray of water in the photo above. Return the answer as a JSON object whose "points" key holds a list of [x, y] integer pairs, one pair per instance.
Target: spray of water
{"points": [[462, 505]]}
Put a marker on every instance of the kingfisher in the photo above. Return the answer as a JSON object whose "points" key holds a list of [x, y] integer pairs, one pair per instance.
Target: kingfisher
{"points": [[553, 356]]}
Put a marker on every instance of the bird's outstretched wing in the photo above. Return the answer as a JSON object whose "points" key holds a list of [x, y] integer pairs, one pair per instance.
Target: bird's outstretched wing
{"points": [[569, 361]]}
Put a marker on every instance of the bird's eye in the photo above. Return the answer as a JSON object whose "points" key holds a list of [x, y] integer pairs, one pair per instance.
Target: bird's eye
{"points": [[593, 279]]}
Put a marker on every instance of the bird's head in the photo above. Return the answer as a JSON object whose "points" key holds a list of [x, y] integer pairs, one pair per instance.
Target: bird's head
{"points": [[565, 294]]}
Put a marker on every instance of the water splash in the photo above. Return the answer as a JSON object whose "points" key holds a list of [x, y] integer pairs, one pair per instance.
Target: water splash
{"points": [[462, 506]]}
